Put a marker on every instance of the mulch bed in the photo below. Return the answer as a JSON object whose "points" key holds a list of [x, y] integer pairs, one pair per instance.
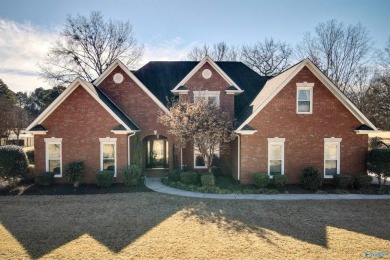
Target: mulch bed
{"points": [[67, 189]]}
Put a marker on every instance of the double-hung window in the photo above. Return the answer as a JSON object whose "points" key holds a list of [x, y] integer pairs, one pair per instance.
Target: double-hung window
{"points": [[305, 98], [276, 156], [331, 157], [108, 154], [209, 96], [54, 156]]}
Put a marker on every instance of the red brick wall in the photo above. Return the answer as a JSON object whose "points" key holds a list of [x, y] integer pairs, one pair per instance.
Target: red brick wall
{"points": [[80, 121], [304, 145], [215, 83], [140, 107]]}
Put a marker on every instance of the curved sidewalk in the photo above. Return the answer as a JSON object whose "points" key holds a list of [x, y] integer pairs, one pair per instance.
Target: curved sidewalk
{"points": [[156, 185]]}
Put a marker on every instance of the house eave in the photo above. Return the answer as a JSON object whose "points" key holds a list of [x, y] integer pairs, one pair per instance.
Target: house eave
{"points": [[245, 132], [233, 92], [366, 132], [37, 132]]}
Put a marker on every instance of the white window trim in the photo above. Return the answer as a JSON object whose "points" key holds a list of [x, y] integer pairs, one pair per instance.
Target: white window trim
{"points": [[208, 94], [48, 141], [305, 86], [272, 141], [337, 141], [203, 167], [104, 141]]}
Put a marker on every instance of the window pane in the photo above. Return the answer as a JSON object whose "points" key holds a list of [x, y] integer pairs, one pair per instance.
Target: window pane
{"points": [[109, 164], [303, 106], [109, 151], [275, 167], [275, 152], [331, 151], [54, 151], [304, 95], [330, 167], [199, 161], [55, 167]]}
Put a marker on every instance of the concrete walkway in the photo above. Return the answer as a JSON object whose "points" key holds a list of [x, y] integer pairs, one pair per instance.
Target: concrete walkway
{"points": [[156, 185]]}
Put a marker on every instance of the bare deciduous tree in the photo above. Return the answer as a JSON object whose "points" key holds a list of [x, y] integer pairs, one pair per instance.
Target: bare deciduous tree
{"points": [[202, 123], [218, 52], [87, 46], [377, 101], [338, 51], [268, 58]]}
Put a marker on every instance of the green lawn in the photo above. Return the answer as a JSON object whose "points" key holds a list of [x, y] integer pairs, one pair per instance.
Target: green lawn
{"points": [[152, 225]]}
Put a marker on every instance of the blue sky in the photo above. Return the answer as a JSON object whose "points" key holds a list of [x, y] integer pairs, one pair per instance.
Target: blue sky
{"points": [[169, 29]]}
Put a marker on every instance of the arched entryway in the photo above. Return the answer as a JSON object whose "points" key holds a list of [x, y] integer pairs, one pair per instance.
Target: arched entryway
{"points": [[156, 152]]}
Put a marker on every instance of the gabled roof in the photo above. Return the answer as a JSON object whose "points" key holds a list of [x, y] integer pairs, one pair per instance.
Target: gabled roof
{"points": [[214, 66], [276, 84], [117, 63], [161, 77], [104, 101]]}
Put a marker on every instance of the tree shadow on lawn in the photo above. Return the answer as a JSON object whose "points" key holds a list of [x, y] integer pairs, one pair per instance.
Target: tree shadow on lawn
{"points": [[44, 223]]}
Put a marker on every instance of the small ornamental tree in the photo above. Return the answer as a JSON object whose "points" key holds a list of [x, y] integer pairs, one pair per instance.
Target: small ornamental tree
{"points": [[202, 123]]}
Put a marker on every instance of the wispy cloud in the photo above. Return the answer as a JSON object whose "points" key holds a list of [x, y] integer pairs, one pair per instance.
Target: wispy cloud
{"points": [[21, 47], [168, 50]]}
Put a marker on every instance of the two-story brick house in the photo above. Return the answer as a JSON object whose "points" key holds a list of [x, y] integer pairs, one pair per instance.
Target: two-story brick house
{"points": [[285, 123]]}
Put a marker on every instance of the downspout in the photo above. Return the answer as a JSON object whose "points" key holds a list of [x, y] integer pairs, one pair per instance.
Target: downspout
{"points": [[128, 147], [239, 158]]}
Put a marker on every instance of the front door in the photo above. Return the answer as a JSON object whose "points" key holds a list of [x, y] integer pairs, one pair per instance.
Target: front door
{"points": [[157, 153]]}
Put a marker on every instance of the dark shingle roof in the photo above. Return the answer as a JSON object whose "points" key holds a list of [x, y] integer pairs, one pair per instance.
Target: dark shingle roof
{"points": [[247, 79], [38, 128], [160, 77], [248, 128], [116, 110], [364, 127]]}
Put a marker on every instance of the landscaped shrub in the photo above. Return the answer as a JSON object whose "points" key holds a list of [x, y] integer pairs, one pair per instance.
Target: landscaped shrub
{"points": [[30, 156], [261, 179], [44, 179], [279, 181], [174, 176], [104, 179], [73, 171], [311, 179], [343, 181], [189, 177], [208, 180], [30, 173], [378, 162], [13, 162], [362, 181], [132, 175]]}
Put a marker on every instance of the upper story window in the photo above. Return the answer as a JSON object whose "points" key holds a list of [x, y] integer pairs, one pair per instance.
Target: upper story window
{"points": [[210, 96], [305, 98]]}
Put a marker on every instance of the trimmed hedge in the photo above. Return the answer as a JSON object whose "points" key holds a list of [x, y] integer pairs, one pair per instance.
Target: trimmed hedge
{"points": [[261, 179], [208, 180], [132, 175], [104, 179], [362, 181], [13, 161], [73, 171], [378, 162], [311, 179], [44, 179], [280, 181], [189, 177], [343, 181], [174, 176]]}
